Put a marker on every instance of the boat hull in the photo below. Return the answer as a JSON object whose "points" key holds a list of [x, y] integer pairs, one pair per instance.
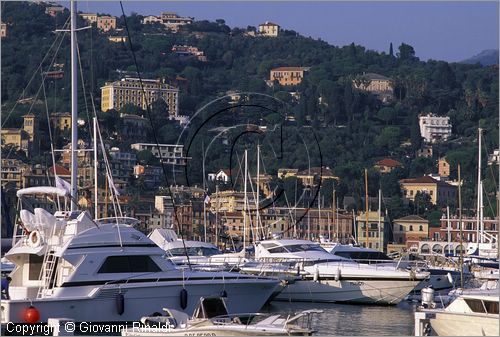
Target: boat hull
{"points": [[139, 299], [455, 324], [216, 331], [389, 292]]}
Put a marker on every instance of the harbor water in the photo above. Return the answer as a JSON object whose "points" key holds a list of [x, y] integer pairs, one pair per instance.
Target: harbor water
{"points": [[353, 319]]}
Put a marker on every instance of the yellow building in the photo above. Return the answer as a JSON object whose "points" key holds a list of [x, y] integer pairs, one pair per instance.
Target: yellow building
{"points": [[3, 30], [377, 84], [12, 173], [117, 39], [288, 75], [115, 95], [18, 138], [284, 173], [61, 120], [377, 238], [269, 29], [230, 201], [310, 177], [30, 125], [443, 168], [89, 17], [441, 193], [409, 230], [106, 23]]}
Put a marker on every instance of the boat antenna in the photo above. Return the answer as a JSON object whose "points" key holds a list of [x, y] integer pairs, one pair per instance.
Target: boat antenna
{"points": [[155, 136]]}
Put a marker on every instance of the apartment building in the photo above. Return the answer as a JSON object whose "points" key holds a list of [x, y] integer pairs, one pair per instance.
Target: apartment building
{"points": [[409, 230], [441, 192], [377, 235], [288, 76], [434, 128], [379, 85], [89, 17], [173, 21], [170, 153], [106, 23], [269, 29], [114, 95]]}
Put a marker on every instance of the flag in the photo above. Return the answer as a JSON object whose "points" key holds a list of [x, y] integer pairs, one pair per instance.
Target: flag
{"points": [[207, 199], [61, 183]]}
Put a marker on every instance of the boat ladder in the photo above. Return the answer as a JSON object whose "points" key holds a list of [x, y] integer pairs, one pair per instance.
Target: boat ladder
{"points": [[47, 276]]}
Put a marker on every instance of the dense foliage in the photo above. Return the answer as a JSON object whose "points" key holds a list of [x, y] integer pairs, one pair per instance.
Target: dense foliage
{"points": [[353, 128]]}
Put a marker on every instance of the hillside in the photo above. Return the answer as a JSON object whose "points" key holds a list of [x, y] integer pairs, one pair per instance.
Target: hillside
{"points": [[352, 127], [486, 58]]}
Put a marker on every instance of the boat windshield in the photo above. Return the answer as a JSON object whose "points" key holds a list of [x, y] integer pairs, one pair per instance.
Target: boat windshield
{"points": [[304, 248], [194, 251], [364, 255]]}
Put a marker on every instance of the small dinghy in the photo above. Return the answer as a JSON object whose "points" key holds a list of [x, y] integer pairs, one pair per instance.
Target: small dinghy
{"points": [[211, 318]]}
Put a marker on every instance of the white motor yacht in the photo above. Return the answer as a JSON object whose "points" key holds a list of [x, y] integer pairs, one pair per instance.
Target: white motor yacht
{"points": [[324, 277], [440, 277], [68, 265], [202, 255], [473, 313]]}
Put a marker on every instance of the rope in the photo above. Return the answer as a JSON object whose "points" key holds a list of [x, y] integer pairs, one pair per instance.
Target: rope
{"points": [[148, 110], [50, 136], [36, 71]]}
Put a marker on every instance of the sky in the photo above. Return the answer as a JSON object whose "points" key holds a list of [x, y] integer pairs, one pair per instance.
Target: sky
{"points": [[449, 30]]}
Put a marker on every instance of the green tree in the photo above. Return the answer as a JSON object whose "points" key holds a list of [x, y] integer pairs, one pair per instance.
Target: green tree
{"points": [[406, 52]]}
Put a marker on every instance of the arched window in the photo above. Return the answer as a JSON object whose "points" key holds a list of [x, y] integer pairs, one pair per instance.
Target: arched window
{"points": [[425, 249], [421, 228], [437, 249]]}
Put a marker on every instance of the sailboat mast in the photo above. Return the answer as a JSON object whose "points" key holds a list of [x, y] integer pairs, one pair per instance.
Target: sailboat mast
{"points": [[478, 207], [257, 215], [245, 203], [206, 192], [319, 213], [381, 242], [96, 193], [366, 207], [74, 109]]}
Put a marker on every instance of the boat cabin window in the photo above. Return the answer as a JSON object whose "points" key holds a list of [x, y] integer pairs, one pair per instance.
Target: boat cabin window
{"points": [[278, 250], [491, 307], [194, 251], [476, 305], [304, 248], [35, 266], [128, 264], [360, 255]]}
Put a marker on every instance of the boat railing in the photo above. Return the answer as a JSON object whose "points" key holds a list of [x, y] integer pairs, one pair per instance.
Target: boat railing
{"points": [[124, 220]]}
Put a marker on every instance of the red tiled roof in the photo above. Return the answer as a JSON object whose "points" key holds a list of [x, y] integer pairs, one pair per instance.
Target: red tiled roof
{"points": [[290, 69], [414, 218], [388, 162], [268, 23], [424, 180], [60, 171]]}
